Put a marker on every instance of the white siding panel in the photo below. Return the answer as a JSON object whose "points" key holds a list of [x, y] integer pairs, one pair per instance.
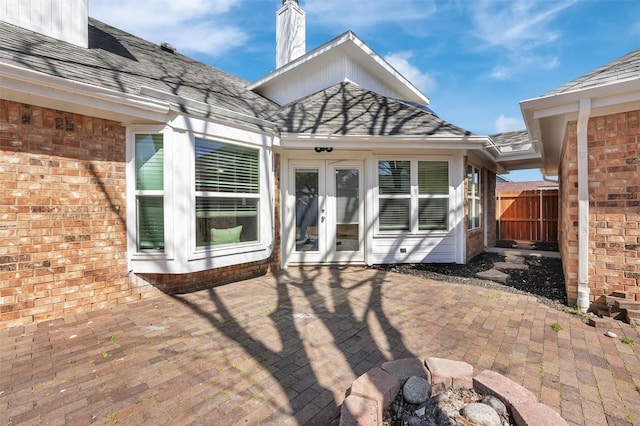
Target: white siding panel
{"points": [[66, 20], [416, 249], [308, 79]]}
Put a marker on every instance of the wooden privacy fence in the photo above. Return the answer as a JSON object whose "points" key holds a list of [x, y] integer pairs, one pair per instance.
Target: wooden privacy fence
{"points": [[529, 215]]}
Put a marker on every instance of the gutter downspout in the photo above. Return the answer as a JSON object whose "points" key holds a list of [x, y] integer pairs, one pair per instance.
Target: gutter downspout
{"points": [[583, 206]]}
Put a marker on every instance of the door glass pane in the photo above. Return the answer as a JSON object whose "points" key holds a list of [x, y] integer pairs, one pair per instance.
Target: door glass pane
{"points": [[347, 210], [306, 189]]}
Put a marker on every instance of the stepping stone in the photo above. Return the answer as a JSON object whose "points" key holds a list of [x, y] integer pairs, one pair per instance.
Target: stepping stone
{"points": [[507, 265], [514, 259], [493, 275]]}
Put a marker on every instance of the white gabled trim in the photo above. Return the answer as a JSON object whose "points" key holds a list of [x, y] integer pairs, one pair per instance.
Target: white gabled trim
{"points": [[57, 92], [353, 47]]}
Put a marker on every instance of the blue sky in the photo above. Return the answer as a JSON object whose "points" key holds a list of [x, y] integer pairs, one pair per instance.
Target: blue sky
{"points": [[474, 59]]}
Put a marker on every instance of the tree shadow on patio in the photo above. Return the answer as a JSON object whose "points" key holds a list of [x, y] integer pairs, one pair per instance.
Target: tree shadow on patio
{"points": [[313, 330]]}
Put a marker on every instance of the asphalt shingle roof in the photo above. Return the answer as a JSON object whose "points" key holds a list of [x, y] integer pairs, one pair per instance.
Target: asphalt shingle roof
{"points": [[120, 61], [623, 68], [516, 137], [348, 109]]}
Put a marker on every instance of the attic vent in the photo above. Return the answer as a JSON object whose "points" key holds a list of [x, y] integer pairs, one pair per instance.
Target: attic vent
{"points": [[167, 47]]}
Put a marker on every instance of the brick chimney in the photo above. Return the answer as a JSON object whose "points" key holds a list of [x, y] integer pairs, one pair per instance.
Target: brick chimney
{"points": [[66, 20], [290, 33]]}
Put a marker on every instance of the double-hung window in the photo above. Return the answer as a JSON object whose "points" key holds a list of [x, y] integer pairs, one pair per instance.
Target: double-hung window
{"points": [[227, 189], [149, 191], [394, 202], [413, 196], [474, 197]]}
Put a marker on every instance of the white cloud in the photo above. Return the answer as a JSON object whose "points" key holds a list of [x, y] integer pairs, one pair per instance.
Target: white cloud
{"points": [[516, 63], [508, 124], [519, 32], [400, 61], [516, 24], [365, 14], [196, 26]]}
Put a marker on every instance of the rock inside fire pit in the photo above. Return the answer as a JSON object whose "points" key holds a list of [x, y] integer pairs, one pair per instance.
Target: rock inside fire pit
{"points": [[445, 407], [441, 392]]}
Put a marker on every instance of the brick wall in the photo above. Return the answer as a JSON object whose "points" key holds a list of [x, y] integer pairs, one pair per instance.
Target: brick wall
{"points": [[62, 219], [62, 215], [614, 205]]}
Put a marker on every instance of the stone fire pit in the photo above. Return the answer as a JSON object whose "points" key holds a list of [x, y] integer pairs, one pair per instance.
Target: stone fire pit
{"points": [[371, 394]]}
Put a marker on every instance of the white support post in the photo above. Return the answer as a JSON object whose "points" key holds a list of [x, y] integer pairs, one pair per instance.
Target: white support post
{"points": [[583, 206]]}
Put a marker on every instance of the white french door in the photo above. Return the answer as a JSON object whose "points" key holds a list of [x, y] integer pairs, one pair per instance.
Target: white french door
{"points": [[326, 220]]}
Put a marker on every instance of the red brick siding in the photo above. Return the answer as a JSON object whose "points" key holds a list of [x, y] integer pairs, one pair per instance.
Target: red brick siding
{"points": [[614, 205], [62, 219], [62, 215]]}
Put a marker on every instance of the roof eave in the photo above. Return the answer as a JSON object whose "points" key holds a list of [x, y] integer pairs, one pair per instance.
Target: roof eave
{"points": [[546, 117], [55, 92], [459, 142]]}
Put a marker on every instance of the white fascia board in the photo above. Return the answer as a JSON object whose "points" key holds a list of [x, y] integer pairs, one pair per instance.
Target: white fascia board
{"points": [[355, 47], [569, 102], [296, 141], [111, 103]]}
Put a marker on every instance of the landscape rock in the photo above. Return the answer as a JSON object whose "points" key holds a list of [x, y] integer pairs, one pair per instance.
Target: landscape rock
{"points": [[414, 421], [495, 403], [416, 390], [481, 415]]}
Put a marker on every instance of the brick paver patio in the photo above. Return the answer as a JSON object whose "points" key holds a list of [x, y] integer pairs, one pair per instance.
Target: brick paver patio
{"points": [[284, 349]]}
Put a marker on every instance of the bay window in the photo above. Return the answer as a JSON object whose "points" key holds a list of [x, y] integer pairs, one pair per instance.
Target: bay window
{"points": [[227, 189], [413, 196]]}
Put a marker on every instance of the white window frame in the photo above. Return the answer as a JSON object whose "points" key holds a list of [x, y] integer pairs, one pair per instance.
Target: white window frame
{"points": [[414, 197], [133, 194], [474, 197], [262, 197]]}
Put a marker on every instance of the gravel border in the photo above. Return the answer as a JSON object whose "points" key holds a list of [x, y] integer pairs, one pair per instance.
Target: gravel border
{"points": [[544, 280]]}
